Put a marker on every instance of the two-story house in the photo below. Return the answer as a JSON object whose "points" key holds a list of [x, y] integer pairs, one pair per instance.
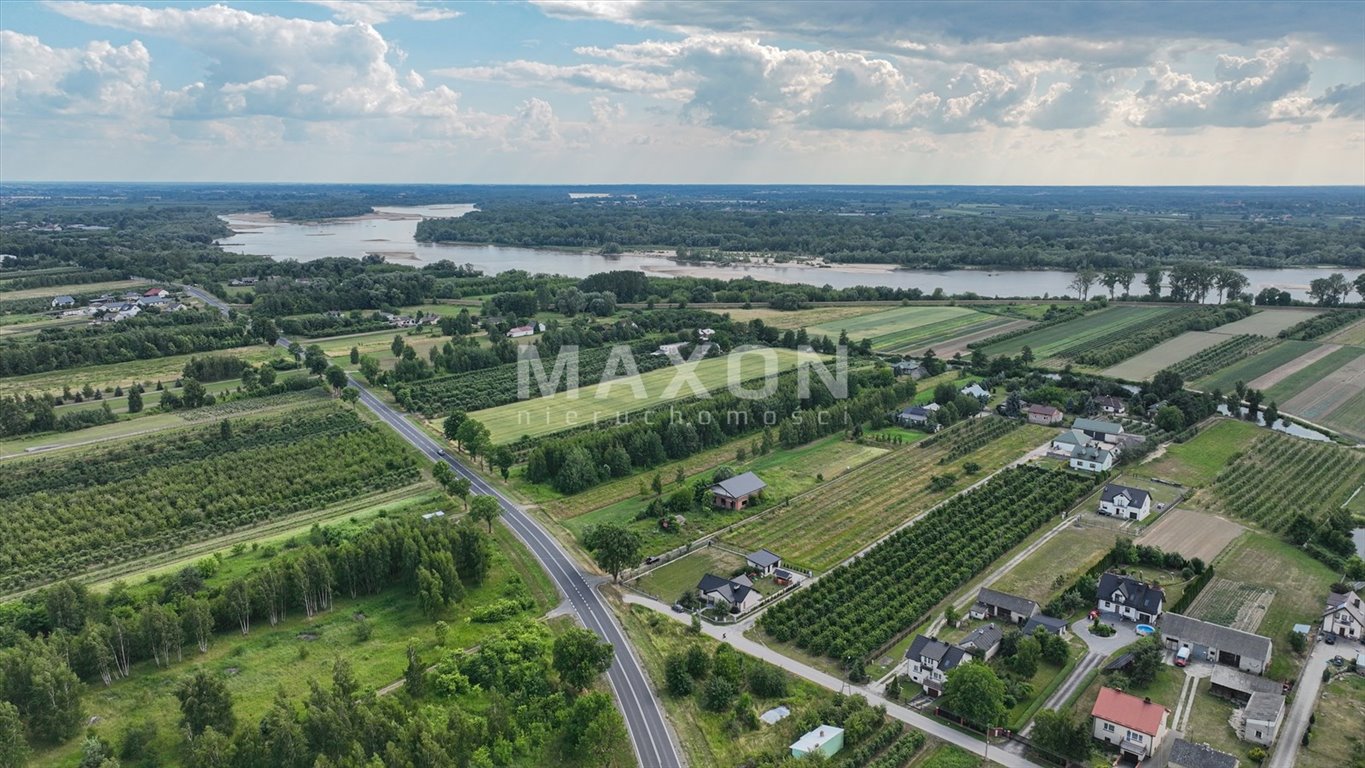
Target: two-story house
{"points": [[1136, 726], [1344, 615], [1130, 598], [930, 660]]}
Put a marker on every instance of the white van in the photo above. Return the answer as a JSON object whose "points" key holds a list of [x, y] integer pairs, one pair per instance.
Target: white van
{"points": [[1182, 657]]}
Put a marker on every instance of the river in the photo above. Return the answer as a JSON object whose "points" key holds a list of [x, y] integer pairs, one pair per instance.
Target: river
{"points": [[391, 231]]}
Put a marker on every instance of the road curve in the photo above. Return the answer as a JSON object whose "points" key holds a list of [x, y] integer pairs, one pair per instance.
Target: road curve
{"points": [[649, 733]]}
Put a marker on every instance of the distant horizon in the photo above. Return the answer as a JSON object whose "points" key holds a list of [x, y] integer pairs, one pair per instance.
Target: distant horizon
{"points": [[150, 182]]}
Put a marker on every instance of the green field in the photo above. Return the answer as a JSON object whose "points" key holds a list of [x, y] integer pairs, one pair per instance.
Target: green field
{"points": [[1349, 417], [1353, 334], [166, 369], [801, 318], [846, 515], [1145, 365], [1055, 339], [1042, 575], [1253, 367], [1336, 730], [603, 403], [1298, 381], [787, 472], [1199, 461], [911, 329]]}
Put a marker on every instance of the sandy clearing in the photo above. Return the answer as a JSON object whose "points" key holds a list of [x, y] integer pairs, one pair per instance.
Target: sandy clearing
{"points": [[960, 343], [1292, 367], [1192, 534], [1330, 392]]}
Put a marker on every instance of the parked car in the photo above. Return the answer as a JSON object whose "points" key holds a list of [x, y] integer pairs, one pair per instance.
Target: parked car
{"points": [[677, 608], [1338, 661], [1182, 657], [1329, 638], [651, 560]]}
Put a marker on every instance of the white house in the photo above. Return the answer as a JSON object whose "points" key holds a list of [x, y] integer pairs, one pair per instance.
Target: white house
{"points": [[977, 391], [1092, 458], [525, 330], [930, 661], [159, 293], [1130, 598], [984, 640], [1069, 441], [1344, 615], [1136, 726], [1099, 429], [1217, 643], [63, 301], [1259, 720], [736, 595], [1126, 503], [1111, 405]]}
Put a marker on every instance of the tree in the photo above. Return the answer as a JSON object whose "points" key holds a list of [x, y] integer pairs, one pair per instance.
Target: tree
{"points": [[676, 677], [459, 488], [1170, 418], [213, 750], [415, 674], [614, 547], [350, 395], [1153, 282], [194, 394], [266, 374], [579, 657], [718, 694], [315, 360], [336, 378], [369, 368], [205, 703], [594, 731], [485, 509], [451, 426], [430, 593], [1254, 398], [1060, 734], [1331, 290], [1083, 281], [472, 436], [1026, 354], [397, 346], [1147, 654], [135, 399], [974, 693], [1166, 383], [13, 749], [38, 682], [1272, 414], [1359, 284], [355, 355], [503, 458]]}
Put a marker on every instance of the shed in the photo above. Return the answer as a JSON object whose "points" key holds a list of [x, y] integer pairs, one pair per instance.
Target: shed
{"points": [[763, 561], [826, 739], [774, 715]]}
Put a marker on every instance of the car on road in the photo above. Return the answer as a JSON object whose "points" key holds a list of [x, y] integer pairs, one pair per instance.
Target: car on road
{"points": [[440, 452], [678, 608]]}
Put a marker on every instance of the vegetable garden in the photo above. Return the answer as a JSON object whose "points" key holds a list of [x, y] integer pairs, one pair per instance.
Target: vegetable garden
{"points": [[68, 513], [854, 610]]}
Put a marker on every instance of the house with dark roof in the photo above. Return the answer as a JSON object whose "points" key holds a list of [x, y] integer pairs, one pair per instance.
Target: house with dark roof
{"points": [[1130, 598], [737, 492], [910, 368], [1048, 624], [1344, 615], [1217, 643], [983, 640], [991, 604], [930, 660], [1098, 429], [1185, 754], [763, 561], [1238, 686], [1069, 441], [1043, 414], [1136, 726], [1126, 503], [1092, 458], [1111, 405], [735, 595], [63, 301]]}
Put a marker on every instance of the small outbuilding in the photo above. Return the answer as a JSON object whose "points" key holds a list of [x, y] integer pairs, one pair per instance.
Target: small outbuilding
{"points": [[763, 561], [826, 739], [1043, 414]]}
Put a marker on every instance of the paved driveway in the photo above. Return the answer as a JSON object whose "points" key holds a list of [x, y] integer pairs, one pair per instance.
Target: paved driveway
{"points": [[1305, 698]]}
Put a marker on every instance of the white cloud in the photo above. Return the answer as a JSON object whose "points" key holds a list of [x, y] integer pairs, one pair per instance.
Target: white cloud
{"points": [[97, 80], [270, 65], [1245, 92], [572, 77], [380, 11]]}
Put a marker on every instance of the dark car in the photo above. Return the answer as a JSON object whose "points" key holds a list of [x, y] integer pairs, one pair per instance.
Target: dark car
{"points": [[440, 451], [677, 608], [651, 560], [1329, 638]]}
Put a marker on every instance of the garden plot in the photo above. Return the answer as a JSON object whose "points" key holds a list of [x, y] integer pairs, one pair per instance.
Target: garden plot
{"points": [[1192, 534], [668, 582], [801, 318], [1232, 604], [1258, 365], [1349, 417], [889, 321], [1274, 377], [1352, 334], [1080, 333], [1327, 394], [1267, 322], [1164, 355], [961, 341]]}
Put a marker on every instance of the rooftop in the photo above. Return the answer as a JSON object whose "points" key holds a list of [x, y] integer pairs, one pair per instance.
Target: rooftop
{"points": [[1136, 496], [1014, 603], [1190, 755], [740, 485], [1213, 635], [763, 558], [813, 740], [1264, 706], [1129, 711], [1097, 425]]}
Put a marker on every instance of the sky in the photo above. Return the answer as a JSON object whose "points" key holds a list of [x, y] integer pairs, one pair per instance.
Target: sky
{"points": [[601, 91]]}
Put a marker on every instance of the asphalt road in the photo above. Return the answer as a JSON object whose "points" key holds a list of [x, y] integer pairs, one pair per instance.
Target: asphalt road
{"points": [[207, 298], [649, 733]]}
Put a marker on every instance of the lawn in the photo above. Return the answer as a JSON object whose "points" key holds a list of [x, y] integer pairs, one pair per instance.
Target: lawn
{"points": [[1255, 366], [1161, 494], [285, 657], [604, 403], [802, 318], [1050, 341], [1145, 365], [166, 369], [1164, 690], [94, 289], [947, 756], [709, 738], [668, 582], [846, 515], [1208, 723], [1267, 322], [787, 473], [1301, 380], [1300, 583], [1055, 565], [1337, 734], [1199, 461]]}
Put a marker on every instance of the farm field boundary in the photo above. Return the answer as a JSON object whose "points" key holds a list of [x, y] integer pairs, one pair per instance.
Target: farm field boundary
{"points": [[1144, 365], [1232, 604], [1074, 334]]}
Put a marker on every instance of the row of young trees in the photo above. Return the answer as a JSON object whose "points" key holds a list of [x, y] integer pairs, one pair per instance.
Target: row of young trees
{"points": [[37, 356]]}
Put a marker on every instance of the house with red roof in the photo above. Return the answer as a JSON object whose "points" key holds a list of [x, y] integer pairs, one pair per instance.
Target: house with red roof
{"points": [[1136, 726], [159, 293]]}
